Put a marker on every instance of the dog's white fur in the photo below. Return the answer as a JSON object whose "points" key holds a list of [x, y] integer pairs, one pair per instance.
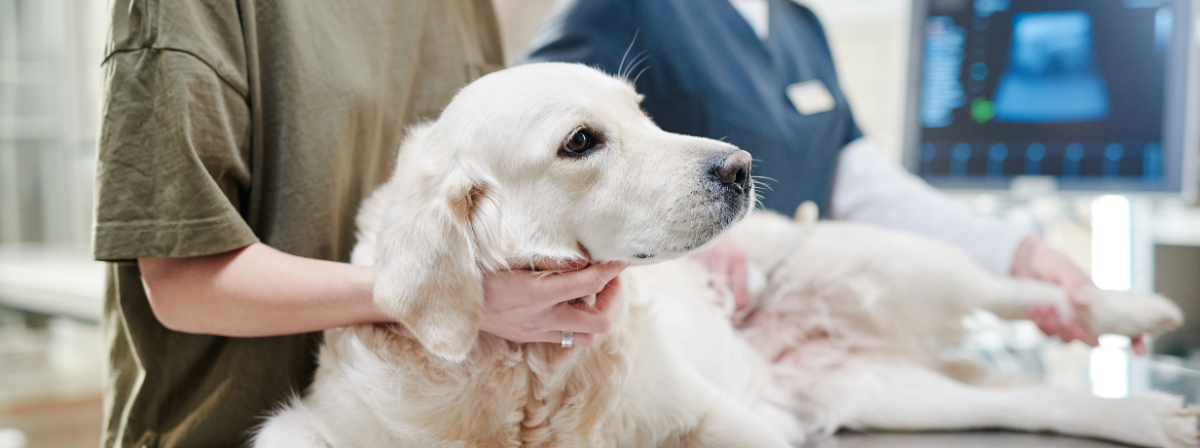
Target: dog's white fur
{"points": [[853, 318], [484, 187]]}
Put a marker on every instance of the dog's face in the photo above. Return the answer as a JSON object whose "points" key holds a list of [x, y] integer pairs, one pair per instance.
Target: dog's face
{"points": [[547, 160], [571, 161]]}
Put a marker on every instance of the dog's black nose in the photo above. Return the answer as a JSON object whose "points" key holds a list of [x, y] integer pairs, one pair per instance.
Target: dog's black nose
{"points": [[733, 170]]}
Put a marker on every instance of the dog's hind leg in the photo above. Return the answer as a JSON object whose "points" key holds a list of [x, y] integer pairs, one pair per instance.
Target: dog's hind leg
{"points": [[896, 394]]}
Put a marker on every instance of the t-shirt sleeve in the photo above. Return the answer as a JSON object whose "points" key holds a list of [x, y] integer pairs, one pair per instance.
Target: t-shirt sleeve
{"points": [[173, 160]]}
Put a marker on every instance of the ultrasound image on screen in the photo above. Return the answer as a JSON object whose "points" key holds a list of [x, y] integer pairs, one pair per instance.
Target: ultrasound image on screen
{"points": [[1067, 88], [1050, 76]]}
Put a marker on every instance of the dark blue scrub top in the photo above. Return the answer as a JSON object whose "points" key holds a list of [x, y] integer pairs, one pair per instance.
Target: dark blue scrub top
{"points": [[708, 74]]}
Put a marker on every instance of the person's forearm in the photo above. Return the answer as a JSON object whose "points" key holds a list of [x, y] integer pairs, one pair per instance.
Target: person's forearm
{"points": [[870, 189], [258, 291]]}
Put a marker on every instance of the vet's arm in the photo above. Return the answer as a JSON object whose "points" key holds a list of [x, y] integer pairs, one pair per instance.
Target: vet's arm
{"points": [[868, 188], [258, 291]]}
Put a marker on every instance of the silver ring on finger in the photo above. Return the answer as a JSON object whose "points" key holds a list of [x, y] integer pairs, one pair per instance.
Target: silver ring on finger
{"points": [[568, 339]]}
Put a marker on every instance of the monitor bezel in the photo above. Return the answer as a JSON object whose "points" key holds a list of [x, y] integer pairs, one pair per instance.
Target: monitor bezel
{"points": [[1182, 108]]}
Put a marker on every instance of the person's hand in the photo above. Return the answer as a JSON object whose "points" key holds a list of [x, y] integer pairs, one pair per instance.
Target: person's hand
{"points": [[727, 264], [529, 306], [1037, 260]]}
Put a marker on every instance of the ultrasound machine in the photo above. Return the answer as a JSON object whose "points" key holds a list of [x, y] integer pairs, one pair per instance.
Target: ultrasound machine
{"points": [[1091, 95]]}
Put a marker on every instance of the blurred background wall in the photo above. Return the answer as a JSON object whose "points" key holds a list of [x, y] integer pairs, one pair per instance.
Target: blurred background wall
{"points": [[50, 78]]}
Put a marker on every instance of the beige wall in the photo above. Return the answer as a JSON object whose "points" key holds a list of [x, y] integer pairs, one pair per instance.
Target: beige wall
{"points": [[519, 19]]}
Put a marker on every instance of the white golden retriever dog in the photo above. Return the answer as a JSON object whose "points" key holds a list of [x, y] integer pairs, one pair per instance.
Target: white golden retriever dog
{"points": [[557, 161]]}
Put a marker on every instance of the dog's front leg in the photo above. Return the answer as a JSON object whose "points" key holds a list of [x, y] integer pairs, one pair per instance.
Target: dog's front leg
{"points": [[728, 424]]}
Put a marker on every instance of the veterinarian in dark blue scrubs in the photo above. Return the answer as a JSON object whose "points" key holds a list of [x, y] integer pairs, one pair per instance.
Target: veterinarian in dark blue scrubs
{"points": [[707, 73], [760, 74]]}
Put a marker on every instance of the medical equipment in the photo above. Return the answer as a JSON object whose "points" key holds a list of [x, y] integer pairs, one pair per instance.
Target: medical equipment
{"points": [[1085, 95]]}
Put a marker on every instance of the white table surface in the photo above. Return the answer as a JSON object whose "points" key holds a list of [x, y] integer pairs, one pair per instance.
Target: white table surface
{"points": [[974, 439]]}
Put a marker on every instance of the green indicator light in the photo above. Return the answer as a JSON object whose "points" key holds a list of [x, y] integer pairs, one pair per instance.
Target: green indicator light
{"points": [[982, 110]]}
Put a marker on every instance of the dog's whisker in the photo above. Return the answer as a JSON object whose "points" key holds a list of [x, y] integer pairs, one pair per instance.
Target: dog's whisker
{"points": [[620, 66], [639, 75], [637, 60], [760, 184]]}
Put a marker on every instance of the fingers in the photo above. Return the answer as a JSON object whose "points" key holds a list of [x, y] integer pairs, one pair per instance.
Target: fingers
{"points": [[738, 284], [550, 264], [607, 298], [555, 337], [584, 282], [1076, 297], [585, 319], [1138, 345], [527, 308], [1077, 330], [1073, 281], [1047, 319], [726, 261], [1037, 260]]}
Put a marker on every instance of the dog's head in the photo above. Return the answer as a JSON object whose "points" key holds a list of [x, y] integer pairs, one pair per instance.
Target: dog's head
{"points": [[539, 161]]}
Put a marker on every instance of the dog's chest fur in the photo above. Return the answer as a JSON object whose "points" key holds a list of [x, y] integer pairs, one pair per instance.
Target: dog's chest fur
{"points": [[504, 394]]}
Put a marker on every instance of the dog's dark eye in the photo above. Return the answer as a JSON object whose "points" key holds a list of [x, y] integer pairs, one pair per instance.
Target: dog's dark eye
{"points": [[579, 144]]}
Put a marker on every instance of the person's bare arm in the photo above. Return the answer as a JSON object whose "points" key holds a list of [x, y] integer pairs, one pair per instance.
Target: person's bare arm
{"points": [[259, 291]]}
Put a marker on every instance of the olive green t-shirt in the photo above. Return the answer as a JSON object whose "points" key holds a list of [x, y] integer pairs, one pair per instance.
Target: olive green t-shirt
{"points": [[228, 122]]}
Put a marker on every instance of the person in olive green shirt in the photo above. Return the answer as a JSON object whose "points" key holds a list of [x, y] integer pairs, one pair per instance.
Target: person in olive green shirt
{"points": [[238, 140]]}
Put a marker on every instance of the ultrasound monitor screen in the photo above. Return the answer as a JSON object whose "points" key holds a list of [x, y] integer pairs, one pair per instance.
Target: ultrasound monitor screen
{"points": [[1082, 90]]}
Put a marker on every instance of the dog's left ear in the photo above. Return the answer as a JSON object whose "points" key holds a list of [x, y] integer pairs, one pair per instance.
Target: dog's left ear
{"points": [[426, 274]]}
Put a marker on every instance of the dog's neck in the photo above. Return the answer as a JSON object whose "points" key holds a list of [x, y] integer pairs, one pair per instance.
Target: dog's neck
{"points": [[579, 380]]}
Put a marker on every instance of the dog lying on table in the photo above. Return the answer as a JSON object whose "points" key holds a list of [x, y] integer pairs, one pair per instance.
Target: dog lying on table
{"points": [[558, 162]]}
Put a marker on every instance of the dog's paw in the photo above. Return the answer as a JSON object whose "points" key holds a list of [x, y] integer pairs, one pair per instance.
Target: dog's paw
{"points": [[1127, 313], [1169, 422], [1181, 427]]}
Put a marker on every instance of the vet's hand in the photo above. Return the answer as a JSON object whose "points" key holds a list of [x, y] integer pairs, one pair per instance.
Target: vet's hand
{"points": [[1037, 260], [727, 262], [527, 306]]}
